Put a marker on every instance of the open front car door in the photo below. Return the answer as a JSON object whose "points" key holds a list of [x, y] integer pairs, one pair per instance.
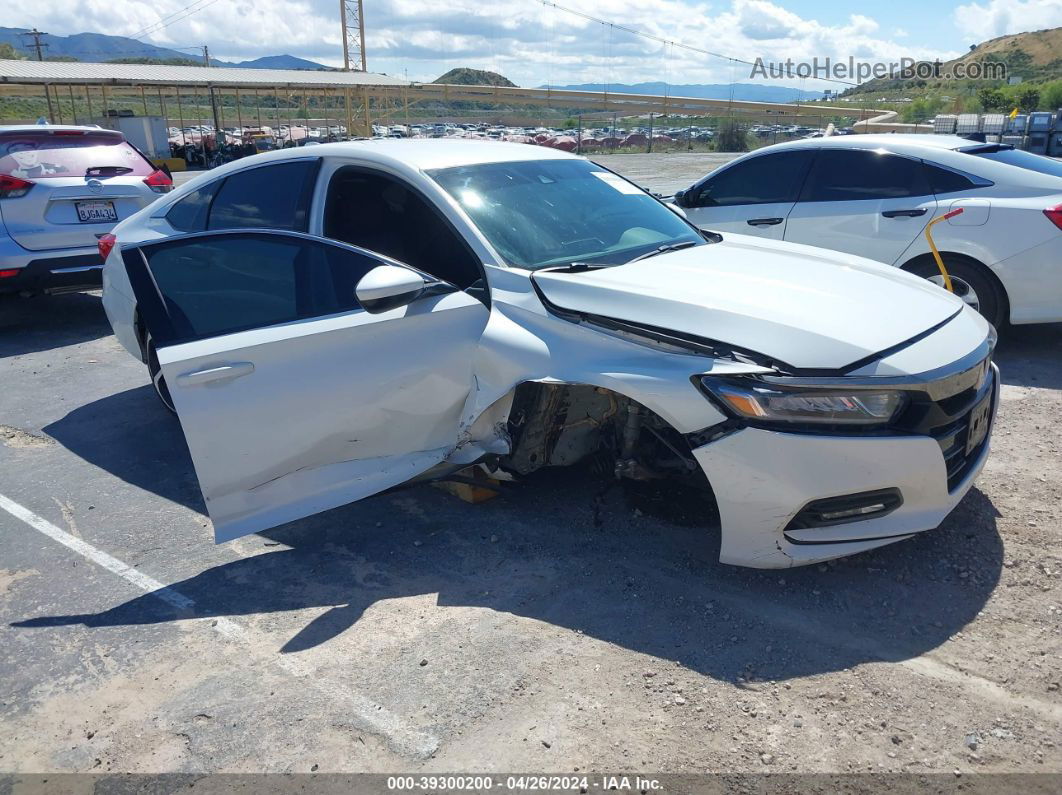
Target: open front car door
{"points": [[306, 373]]}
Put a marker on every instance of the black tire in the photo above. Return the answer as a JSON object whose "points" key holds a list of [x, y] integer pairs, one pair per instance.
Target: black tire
{"points": [[158, 381], [970, 282]]}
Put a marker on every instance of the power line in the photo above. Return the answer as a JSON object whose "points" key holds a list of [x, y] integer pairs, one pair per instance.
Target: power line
{"points": [[166, 21], [660, 39]]}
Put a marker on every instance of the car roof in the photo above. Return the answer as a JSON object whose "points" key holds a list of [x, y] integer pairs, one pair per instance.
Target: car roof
{"points": [[429, 153], [17, 128], [896, 142]]}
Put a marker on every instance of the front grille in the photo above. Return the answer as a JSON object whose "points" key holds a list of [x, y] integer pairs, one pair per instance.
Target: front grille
{"points": [[947, 420]]}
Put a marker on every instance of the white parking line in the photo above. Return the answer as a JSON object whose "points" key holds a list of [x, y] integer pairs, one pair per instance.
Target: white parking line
{"points": [[363, 712]]}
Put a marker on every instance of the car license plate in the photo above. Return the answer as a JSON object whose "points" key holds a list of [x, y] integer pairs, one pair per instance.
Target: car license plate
{"points": [[977, 428], [95, 212]]}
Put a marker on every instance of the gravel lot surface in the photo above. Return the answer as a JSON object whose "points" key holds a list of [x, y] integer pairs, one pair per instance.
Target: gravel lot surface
{"points": [[573, 623]]}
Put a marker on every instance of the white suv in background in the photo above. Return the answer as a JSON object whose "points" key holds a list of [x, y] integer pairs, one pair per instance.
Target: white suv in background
{"points": [[336, 321], [873, 195], [61, 188]]}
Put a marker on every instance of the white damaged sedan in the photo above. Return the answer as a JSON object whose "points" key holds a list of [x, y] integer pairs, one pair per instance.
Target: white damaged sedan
{"points": [[331, 323]]}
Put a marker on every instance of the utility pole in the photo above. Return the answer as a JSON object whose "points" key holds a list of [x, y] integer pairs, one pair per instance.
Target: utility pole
{"points": [[36, 34]]}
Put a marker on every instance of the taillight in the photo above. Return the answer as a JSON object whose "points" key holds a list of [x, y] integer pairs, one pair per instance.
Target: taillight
{"points": [[159, 181], [8, 273], [1054, 215], [13, 187], [105, 243]]}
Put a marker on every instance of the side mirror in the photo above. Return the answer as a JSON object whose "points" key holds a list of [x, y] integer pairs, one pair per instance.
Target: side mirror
{"points": [[388, 287], [679, 198]]}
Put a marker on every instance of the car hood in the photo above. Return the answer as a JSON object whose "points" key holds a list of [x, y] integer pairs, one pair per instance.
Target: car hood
{"points": [[800, 305]]}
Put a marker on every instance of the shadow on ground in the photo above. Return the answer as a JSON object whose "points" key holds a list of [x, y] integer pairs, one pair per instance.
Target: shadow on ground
{"points": [[630, 565], [633, 567], [1031, 356], [44, 322]]}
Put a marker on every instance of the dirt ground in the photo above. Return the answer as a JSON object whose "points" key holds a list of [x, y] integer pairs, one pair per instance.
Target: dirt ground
{"points": [[572, 624]]}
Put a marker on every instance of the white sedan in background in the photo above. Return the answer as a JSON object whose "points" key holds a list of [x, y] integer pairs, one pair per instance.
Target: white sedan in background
{"points": [[330, 324], [873, 195]]}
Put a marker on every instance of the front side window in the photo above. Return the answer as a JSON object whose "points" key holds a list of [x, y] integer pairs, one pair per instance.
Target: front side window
{"points": [[765, 179], [841, 175], [540, 213], [206, 286], [376, 212]]}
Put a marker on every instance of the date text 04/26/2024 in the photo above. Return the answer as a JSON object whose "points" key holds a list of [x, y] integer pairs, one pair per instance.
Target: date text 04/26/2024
{"points": [[530, 782]]}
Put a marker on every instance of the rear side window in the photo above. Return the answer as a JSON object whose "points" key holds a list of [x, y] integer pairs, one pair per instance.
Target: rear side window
{"points": [[40, 155], [944, 180], [267, 197], [765, 179], [207, 286], [190, 213], [862, 174]]}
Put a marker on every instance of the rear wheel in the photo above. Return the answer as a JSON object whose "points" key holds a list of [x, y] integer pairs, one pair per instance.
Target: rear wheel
{"points": [[969, 282], [158, 381]]}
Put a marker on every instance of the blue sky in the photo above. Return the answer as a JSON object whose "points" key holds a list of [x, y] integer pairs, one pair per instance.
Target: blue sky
{"points": [[534, 44]]}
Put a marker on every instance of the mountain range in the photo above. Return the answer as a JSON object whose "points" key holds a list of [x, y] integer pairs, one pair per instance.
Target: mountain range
{"points": [[100, 47], [750, 92]]}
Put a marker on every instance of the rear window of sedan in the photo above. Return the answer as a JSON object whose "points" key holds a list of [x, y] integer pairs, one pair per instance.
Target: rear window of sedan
{"points": [[1018, 157], [40, 155]]}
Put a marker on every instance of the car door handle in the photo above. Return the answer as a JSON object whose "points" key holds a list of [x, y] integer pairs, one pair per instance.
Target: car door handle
{"points": [[221, 372], [906, 213], [764, 221]]}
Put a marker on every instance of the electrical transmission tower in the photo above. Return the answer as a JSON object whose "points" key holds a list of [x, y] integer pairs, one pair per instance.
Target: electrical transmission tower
{"points": [[352, 14], [352, 17]]}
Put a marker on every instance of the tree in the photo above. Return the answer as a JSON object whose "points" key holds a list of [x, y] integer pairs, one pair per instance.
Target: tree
{"points": [[731, 137], [1052, 95], [9, 53], [993, 100], [1028, 100]]}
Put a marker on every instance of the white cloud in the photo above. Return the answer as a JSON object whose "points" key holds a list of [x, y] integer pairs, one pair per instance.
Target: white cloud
{"points": [[987, 20], [530, 43]]}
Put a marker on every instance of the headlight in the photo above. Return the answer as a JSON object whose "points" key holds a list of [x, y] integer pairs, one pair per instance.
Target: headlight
{"points": [[763, 403]]}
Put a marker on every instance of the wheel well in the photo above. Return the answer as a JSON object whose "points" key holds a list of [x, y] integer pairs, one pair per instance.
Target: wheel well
{"points": [[561, 424], [1001, 291]]}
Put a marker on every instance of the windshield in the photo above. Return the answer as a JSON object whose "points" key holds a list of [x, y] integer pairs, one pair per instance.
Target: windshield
{"points": [[1017, 157], [539, 213], [38, 155]]}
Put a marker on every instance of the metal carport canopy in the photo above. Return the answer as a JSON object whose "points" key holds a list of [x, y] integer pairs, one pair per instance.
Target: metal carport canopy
{"points": [[120, 74]]}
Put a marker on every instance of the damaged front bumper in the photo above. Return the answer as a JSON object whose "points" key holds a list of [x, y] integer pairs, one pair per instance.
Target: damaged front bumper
{"points": [[763, 479]]}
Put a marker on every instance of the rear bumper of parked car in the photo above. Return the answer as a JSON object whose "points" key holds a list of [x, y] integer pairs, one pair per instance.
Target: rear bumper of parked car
{"points": [[59, 271], [763, 479]]}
